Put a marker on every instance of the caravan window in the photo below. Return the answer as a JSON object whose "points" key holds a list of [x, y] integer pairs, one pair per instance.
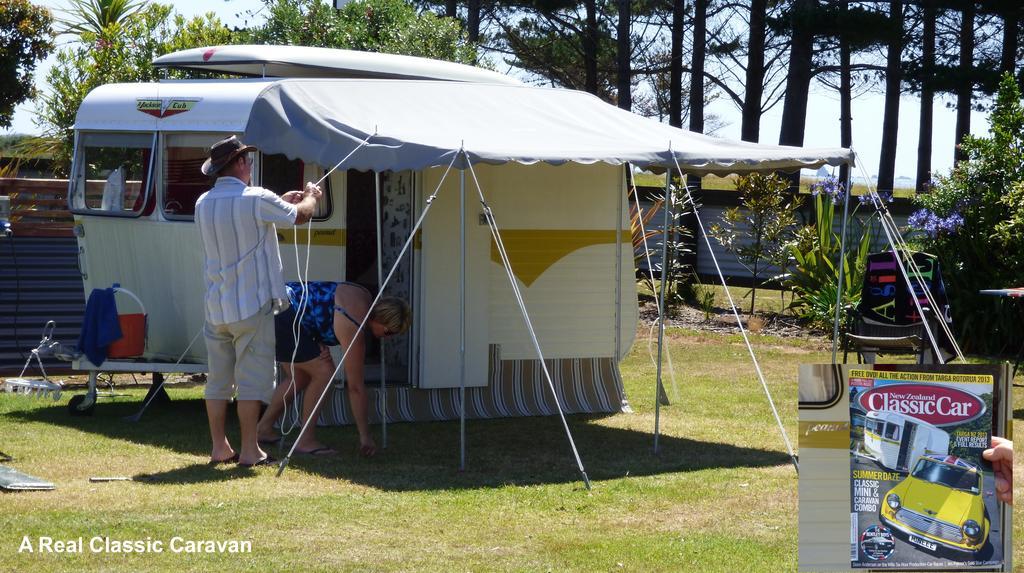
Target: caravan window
{"points": [[892, 431], [871, 425], [111, 174], [183, 182], [281, 175]]}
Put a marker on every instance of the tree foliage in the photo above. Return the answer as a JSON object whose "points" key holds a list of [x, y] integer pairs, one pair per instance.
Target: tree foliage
{"points": [[388, 26], [973, 219], [97, 15], [120, 53], [25, 40], [758, 231]]}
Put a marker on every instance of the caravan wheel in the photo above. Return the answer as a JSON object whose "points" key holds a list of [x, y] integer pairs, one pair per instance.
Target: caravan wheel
{"points": [[79, 405]]}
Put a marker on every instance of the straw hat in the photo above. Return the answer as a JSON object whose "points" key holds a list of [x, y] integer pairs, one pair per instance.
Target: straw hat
{"points": [[224, 152]]}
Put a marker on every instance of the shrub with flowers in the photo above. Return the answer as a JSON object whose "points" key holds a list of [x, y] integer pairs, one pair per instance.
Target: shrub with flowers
{"points": [[973, 219], [814, 269]]}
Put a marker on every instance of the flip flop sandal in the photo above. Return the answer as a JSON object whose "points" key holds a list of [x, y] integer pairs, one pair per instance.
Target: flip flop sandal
{"points": [[321, 452], [267, 461], [232, 460]]}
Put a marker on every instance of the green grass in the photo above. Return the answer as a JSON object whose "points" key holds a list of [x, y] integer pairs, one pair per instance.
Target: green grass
{"points": [[721, 496], [768, 300]]}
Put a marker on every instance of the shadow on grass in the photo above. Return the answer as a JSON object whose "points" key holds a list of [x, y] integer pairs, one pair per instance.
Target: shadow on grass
{"points": [[425, 455], [195, 473]]}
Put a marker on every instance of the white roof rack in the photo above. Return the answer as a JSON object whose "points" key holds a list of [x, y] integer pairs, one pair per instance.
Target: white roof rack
{"points": [[308, 62]]}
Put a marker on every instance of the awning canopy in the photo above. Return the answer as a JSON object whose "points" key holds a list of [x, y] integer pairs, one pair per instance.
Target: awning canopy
{"points": [[420, 124]]}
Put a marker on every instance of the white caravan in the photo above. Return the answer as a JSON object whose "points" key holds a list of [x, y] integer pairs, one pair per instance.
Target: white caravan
{"points": [[399, 130], [897, 440]]}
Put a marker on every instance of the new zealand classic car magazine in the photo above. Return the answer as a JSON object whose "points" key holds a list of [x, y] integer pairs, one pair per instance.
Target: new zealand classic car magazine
{"points": [[922, 497]]}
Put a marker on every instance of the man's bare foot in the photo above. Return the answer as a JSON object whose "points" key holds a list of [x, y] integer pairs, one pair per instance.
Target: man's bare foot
{"points": [[223, 456]]}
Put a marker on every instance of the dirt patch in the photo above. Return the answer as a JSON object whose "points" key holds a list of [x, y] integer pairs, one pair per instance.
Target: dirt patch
{"points": [[722, 321]]}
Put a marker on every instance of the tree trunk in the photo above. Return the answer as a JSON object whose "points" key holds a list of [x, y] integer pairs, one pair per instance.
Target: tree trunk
{"points": [[966, 89], [697, 65], [473, 20], [798, 81], [675, 80], [451, 9], [924, 139], [845, 96], [751, 126], [700, 33], [1011, 33], [625, 73], [891, 116], [590, 48]]}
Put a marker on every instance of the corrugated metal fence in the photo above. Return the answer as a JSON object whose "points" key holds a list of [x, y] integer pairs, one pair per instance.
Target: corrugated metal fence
{"points": [[39, 282], [39, 279]]}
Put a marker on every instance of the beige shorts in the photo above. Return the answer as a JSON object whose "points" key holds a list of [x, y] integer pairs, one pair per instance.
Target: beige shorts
{"points": [[240, 356]]}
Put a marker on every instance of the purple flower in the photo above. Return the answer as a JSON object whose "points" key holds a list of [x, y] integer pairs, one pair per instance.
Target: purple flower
{"points": [[933, 224], [829, 186]]}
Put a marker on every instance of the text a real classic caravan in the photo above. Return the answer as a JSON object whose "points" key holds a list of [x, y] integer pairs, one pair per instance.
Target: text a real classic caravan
{"points": [[897, 440], [139, 148]]}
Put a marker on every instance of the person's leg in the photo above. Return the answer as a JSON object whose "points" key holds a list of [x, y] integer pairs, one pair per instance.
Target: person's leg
{"points": [[216, 413], [254, 371], [248, 418], [280, 399], [219, 388], [315, 376]]}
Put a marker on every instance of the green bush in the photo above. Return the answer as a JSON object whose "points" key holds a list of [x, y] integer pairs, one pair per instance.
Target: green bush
{"points": [[758, 231], [815, 260], [973, 220]]}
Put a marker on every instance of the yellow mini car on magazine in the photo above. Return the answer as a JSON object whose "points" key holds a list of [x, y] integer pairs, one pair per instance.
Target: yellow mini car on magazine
{"points": [[939, 504]]}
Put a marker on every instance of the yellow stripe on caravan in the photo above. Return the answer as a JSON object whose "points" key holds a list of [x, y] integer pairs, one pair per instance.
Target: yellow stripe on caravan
{"points": [[825, 435], [320, 238], [533, 251]]}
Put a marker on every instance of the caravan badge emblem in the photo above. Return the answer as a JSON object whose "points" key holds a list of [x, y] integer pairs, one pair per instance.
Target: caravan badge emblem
{"points": [[165, 107], [937, 405]]}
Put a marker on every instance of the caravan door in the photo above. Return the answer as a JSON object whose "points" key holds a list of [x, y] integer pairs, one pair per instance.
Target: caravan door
{"points": [[908, 449]]}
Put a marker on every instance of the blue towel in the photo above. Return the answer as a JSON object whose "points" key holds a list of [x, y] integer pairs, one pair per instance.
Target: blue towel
{"points": [[100, 326]]}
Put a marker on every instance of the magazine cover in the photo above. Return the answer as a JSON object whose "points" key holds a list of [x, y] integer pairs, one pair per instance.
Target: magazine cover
{"points": [[921, 494]]}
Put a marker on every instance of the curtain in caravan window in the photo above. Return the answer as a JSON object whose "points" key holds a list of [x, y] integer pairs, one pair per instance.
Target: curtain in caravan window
{"points": [[183, 182]]}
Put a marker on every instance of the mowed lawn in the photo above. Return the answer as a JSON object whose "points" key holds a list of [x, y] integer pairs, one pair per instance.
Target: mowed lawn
{"points": [[720, 496]]}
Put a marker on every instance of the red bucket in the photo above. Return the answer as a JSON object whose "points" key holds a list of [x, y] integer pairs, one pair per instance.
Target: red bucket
{"points": [[133, 331], [133, 337]]}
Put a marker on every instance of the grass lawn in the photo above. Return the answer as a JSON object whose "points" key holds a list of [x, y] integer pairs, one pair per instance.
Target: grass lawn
{"points": [[721, 496]]}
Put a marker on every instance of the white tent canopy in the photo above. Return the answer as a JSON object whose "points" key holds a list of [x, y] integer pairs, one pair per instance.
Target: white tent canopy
{"points": [[420, 124]]}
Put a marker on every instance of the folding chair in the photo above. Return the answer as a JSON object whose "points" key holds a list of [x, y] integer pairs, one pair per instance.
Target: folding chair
{"points": [[887, 321]]}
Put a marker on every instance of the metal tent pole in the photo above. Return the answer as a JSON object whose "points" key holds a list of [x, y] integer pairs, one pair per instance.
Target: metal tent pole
{"points": [[359, 329], [842, 261], [462, 319], [667, 205], [380, 285], [507, 264]]}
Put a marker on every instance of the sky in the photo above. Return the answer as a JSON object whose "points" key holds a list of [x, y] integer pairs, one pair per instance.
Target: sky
{"points": [[822, 114]]}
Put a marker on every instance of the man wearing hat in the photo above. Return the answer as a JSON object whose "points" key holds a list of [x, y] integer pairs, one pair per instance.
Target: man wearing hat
{"points": [[244, 283]]}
